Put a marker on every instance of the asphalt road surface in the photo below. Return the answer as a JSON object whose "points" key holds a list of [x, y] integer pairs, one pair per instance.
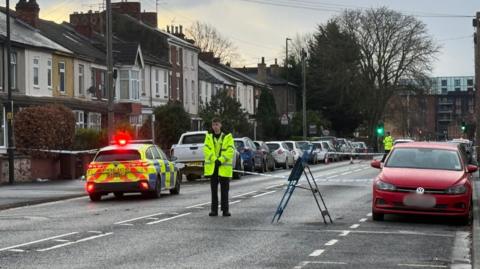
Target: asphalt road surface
{"points": [[176, 231]]}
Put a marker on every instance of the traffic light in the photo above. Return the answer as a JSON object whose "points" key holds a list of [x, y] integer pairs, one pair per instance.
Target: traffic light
{"points": [[380, 129], [463, 127]]}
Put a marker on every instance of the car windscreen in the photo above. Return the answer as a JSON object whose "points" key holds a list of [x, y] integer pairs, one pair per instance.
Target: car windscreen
{"points": [[239, 144], [303, 145], [424, 158], [290, 145], [117, 155], [273, 146], [194, 139]]}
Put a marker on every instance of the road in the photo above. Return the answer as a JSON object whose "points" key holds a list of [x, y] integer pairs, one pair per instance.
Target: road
{"points": [[176, 231]]}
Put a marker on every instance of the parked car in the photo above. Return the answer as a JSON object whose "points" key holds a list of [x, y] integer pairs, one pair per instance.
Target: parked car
{"points": [[344, 147], [467, 149], [264, 160], [402, 140], [424, 178], [332, 152], [321, 151], [247, 150], [360, 147], [306, 146], [295, 149], [281, 154], [189, 151]]}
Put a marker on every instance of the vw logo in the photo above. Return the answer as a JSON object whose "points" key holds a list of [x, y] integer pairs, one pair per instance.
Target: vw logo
{"points": [[420, 190]]}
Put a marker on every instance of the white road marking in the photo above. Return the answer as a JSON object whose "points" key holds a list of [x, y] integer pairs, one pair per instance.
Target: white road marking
{"points": [[16, 250], [174, 217], [354, 226], [144, 217], [346, 173], [202, 204], [244, 194], [325, 262], [61, 240], [274, 186], [38, 241], [75, 242], [369, 214], [152, 218], [422, 265], [344, 233], [235, 202], [357, 170], [331, 176], [363, 220], [316, 253], [262, 194], [95, 232], [126, 224], [331, 242]]}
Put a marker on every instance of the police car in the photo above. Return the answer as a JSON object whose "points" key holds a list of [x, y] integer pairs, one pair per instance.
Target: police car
{"points": [[128, 166]]}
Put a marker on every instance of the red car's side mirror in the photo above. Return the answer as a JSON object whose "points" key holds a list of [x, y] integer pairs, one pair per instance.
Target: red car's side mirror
{"points": [[376, 164], [472, 168]]}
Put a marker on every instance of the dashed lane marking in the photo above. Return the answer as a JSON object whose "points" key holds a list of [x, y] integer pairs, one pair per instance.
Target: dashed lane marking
{"points": [[16, 250], [344, 233], [38, 241], [363, 220], [247, 193], [174, 217], [262, 194], [331, 176], [316, 253], [198, 205], [61, 240], [422, 265], [354, 226], [346, 173], [235, 202], [331, 242], [369, 214], [274, 186], [143, 217], [75, 242]]}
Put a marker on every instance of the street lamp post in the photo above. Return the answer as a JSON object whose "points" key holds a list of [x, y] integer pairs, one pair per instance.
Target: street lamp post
{"points": [[286, 74], [108, 39], [304, 94]]}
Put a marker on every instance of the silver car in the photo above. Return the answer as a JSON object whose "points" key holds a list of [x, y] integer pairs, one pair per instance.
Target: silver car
{"points": [[281, 154]]}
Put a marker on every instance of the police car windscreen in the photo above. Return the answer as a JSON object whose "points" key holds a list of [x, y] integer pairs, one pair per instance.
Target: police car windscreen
{"points": [[194, 139], [117, 155]]}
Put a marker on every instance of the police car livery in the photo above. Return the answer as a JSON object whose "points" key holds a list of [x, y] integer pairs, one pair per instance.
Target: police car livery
{"points": [[129, 167]]}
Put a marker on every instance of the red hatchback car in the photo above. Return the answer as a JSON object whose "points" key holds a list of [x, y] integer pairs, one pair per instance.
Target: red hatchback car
{"points": [[424, 178]]}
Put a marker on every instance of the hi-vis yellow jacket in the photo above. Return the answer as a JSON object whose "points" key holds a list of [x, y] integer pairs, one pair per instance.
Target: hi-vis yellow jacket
{"points": [[388, 143], [222, 149]]}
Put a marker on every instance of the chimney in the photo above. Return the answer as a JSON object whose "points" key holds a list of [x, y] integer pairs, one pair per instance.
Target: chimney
{"points": [[262, 71], [28, 11], [168, 28], [176, 29], [207, 57], [181, 29], [275, 69]]}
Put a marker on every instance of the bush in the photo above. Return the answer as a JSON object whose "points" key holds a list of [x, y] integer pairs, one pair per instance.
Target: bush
{"points": [[171, 121], [44, 127], [86, 139]]}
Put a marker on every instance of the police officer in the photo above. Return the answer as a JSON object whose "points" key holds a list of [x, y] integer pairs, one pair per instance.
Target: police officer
{"points": [[219, 150], [387, 145]]}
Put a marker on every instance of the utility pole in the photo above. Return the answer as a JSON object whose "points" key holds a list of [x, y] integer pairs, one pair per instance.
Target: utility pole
{"points": [[304, 94], [286, 74], [109, 82], [9, 105], [476, 24]]}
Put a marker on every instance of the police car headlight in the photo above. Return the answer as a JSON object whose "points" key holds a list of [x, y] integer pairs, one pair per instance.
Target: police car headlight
{"points": [[384, 186], [458, 189]]}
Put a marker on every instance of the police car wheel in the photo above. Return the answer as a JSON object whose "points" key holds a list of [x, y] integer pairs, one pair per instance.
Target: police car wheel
{"points": [[176, 189], [158, 189], [95, 197]]}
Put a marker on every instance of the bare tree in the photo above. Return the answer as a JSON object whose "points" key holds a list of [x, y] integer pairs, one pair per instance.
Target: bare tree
{"points": [[209, 39], [395, 48]]}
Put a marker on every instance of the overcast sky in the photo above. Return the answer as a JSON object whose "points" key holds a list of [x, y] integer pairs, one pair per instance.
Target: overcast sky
{"points": [[259, 27]]}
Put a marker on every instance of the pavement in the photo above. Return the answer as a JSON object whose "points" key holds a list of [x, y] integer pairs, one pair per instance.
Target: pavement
{"points": [[23, 194]]}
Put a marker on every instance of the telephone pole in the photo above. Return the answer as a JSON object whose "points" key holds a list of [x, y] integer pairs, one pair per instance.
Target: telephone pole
{"points": [[286, 74], [476, 24], [109, 82], [304, 94]]}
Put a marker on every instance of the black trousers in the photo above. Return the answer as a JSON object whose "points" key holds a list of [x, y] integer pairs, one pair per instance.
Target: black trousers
{"points": [[224, 186], [385, 155]]}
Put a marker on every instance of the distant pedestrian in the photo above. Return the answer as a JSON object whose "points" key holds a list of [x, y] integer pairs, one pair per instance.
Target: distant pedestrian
{"points": [[219, 150], [387, 145]]}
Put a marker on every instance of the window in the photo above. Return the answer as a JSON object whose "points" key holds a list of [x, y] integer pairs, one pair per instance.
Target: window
{"points": [[457, 83], [157, 83], [3, 126], [178, 88], [79, 119], [95, 121], [193, 92], [193, 60], [149, 154], [135, 93], [49, 74], [444, 90], [36, 63], [178, 55], [81, 79], [124, 84], [444, 83], [156, 154], [136, 120], [13, 70], [469, 82], [102, 87], [165, 85], [200, 92], [185, 90], [61, 75]]}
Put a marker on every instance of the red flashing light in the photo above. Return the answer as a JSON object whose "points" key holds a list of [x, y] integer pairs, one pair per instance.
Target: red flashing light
{"points": [[90, 187], [122, 138], [144, 185]]}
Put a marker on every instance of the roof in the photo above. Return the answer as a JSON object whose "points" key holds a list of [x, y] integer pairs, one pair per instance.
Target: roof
{"points": [[211, 70], [205, 76], [126, 53], [270, 80], [65, 35], [234, 75], [23, 33], [428, 145]]}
